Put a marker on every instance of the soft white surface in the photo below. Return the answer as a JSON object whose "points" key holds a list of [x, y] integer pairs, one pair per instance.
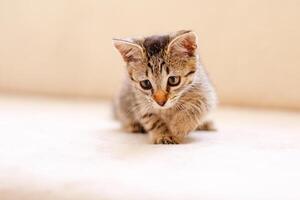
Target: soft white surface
{"points": [[74, 150]]}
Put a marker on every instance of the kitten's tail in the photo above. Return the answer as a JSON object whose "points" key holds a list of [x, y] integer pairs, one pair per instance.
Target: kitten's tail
{"points": [[207, 125]]}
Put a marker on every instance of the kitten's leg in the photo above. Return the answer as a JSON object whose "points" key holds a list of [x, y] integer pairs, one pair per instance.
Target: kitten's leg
{"points": [[158, 130], [125, 108], [129, 124], [206, 126], [188, 119], [134, 127]]}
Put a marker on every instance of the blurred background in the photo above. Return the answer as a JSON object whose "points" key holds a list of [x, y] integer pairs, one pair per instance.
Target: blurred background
{"points": [[63, 48]]}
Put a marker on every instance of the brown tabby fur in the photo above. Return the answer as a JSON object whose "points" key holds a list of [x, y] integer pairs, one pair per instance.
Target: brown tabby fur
{"points": [[185, 106]]}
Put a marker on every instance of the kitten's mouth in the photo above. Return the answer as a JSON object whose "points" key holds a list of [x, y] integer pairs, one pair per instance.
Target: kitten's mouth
{"points": [[168, 104], [161, 104]]}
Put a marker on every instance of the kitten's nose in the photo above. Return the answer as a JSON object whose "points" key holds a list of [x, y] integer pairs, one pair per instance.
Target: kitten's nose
{"points": [[160, 97]]}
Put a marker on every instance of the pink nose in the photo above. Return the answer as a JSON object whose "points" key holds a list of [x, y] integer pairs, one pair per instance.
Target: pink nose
{"points": [[160, 97]]}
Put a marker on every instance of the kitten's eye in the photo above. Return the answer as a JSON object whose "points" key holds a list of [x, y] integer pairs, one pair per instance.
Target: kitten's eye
{"points": [[146, 84], [173, 80]]}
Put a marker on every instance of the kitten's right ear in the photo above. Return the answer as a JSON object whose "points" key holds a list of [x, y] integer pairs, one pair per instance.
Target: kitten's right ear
{"points": [[131, 52]]}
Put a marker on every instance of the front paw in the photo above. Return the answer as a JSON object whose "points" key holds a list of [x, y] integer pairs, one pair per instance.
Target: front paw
{"points": [[166, 139]]}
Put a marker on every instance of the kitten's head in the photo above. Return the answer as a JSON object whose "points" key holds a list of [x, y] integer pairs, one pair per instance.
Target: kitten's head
{"points": [[160, 67]]}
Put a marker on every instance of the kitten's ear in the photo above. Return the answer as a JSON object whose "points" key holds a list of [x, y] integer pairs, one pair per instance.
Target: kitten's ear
{"points": [[131, 52], [183, 45]]}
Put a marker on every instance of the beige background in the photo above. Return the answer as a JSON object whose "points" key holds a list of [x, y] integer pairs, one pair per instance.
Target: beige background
{"points": [[251, 48]]}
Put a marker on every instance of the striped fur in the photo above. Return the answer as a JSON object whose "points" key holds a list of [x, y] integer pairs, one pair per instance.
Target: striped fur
{"points": [[184, 107]]}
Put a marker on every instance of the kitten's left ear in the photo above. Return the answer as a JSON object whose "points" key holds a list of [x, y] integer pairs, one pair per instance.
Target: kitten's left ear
{"points": [[183, 45], [130, 51]]}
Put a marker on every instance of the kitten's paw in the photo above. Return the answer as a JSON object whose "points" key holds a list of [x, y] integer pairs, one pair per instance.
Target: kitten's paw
{"points": [[207, 126], [166, 139], [134, 128]]}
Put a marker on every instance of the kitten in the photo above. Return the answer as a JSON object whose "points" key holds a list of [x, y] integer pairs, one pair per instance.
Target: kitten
{"points": [[167, 92]]}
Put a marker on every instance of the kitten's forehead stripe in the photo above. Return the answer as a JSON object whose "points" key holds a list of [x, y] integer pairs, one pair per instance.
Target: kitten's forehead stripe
{"points": [[150, 66], [167, 70], [147, 72], [155, 44], [162, 64]]}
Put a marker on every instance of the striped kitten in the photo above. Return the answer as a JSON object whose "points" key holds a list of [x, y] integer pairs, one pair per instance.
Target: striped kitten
{"points": [[167, 92]]}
